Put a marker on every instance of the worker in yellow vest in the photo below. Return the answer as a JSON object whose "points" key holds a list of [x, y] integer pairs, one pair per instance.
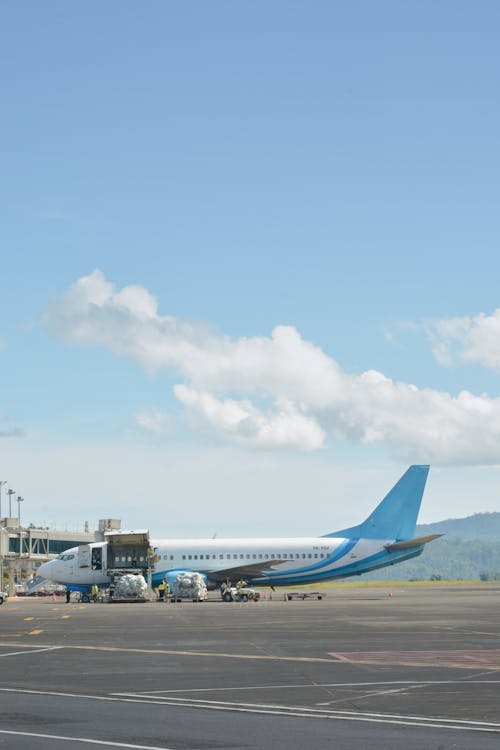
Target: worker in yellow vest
{"points": [[161, 591]]}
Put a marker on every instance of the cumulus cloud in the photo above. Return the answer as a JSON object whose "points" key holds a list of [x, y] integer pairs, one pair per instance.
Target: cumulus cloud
{"points": [[242, 422], [474, 339], [278, 391]]}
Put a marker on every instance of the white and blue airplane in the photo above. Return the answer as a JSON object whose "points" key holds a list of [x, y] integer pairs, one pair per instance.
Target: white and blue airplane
{"points": [[385, 538]]}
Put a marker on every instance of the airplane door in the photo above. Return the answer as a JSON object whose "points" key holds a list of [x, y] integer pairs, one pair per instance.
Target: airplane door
{"points": [[97, 558]]}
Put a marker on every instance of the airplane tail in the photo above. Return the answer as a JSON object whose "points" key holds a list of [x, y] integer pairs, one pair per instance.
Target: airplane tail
{"points": [[396, 516]]}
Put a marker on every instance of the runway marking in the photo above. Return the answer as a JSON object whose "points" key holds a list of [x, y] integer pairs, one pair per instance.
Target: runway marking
{"points": [[371, 694], [294, 711], [31, 651], [65, 617], [423, 721], [35, 632], [407, 683], [28, 618], [172, 652], [449, 659], [461, 659], [87, 740]]}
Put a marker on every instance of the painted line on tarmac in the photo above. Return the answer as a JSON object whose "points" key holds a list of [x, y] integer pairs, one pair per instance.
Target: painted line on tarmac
{"points": [[305, 712], [263, 709], [87, 740], [407, 683], [172, 652], [31, 651]]}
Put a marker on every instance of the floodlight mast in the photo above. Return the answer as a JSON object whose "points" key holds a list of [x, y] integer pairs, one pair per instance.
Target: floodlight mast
{"points": [[19, 501], [2, 482], [10, 493]]}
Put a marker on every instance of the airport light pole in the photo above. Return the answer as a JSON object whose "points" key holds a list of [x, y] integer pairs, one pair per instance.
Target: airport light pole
{"points": [[19, 501], [10, 493], [2, 482]]}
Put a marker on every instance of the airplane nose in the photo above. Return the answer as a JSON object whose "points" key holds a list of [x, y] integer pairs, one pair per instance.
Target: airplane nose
{"points": [[44, 569]]}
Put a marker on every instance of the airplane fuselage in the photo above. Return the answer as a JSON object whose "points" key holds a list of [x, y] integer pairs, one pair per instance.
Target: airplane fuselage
{"points": [[303, 560], [384, 538]]}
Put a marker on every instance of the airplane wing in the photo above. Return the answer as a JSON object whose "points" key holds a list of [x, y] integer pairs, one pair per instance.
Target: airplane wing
{"points": [[409, 543], [246, 570]]}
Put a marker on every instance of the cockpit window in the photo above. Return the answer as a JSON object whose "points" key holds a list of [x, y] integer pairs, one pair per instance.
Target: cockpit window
{"points": [[66, 557]]}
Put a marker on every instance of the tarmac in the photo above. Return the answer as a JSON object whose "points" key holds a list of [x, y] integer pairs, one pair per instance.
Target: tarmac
{"points": [[400, 667]]}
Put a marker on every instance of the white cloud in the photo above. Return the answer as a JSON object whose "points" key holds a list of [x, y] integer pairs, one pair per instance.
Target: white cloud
{"points": [[474, 339], [279, 391], [154, 422], [241, 422]]}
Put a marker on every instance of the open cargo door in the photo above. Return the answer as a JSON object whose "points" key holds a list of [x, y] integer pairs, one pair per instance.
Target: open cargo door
{"points": [[127, 549]]}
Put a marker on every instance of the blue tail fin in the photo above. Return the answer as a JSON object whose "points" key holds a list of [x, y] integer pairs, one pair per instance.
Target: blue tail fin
{"points": [[396, 516]]}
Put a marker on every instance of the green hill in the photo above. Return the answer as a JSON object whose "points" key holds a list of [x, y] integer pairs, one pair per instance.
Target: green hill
{"points": [[469, 550], [478, 526]]}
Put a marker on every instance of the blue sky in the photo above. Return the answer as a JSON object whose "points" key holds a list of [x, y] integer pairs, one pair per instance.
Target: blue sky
{"points": [[331, 169]]}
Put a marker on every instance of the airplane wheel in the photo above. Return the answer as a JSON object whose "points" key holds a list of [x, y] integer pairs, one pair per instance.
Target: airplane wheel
{"points": [[85, 598], [244, 598], [227, 598]]}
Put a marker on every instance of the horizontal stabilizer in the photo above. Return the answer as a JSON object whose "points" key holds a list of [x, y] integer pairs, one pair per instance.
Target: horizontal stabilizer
{"points": [[418, 542]]}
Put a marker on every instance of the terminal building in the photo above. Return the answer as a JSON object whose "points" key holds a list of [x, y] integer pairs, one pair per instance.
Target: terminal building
{"points": [[24, 548]]}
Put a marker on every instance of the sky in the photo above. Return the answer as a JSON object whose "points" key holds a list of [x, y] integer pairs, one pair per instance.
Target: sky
{"points": [[249, 261]]}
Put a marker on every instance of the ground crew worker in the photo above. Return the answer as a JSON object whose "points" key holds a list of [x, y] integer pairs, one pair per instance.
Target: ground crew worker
{"points": [[161, 591], [167, 589], [94, 591], [241, 584]]}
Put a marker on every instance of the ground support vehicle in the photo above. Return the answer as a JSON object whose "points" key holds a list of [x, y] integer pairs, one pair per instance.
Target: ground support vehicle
{"points": [[304, 595], [3, 596], [241, 594]]}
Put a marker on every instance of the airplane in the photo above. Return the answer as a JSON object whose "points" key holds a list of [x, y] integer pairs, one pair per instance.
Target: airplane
{"points": [[384, 538]]}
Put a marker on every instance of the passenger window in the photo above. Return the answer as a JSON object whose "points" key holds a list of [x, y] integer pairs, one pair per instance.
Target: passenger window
{"points": [[183, 557], [260, 557], [195, 557], [266, 556], [242, 557], [221, 557], [309, 555], [235, 557], [228, 557], [248, 557], [171, 557], [303, 555], [254, 557], [315, 554]]}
